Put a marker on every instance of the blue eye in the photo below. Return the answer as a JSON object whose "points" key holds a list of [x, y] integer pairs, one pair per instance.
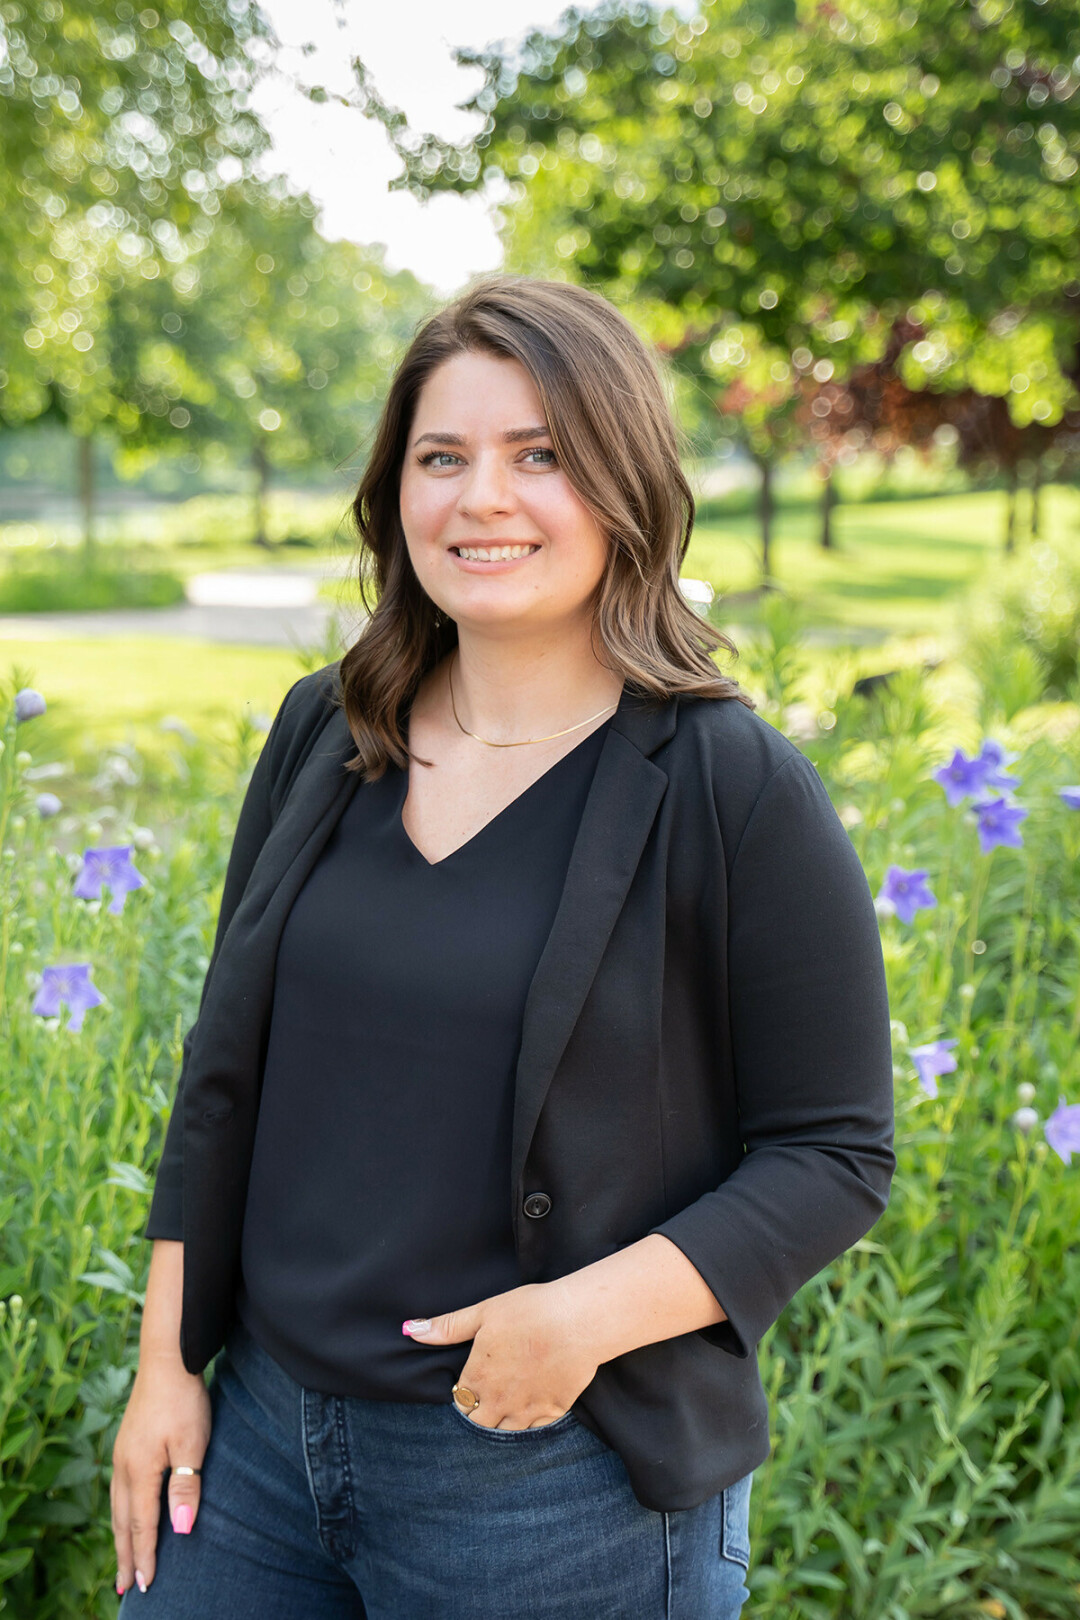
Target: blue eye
{"points": [[432, 456]]}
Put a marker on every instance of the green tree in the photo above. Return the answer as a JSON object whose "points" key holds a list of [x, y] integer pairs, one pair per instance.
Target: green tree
{"points": [[119, 128], [267, 338], [780, 181]]}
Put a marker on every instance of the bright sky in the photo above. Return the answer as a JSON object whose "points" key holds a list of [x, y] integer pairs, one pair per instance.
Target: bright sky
{"points": [[345, 160]]}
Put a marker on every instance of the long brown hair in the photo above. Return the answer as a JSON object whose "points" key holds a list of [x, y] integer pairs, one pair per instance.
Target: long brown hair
{"points": [[616, 441]]}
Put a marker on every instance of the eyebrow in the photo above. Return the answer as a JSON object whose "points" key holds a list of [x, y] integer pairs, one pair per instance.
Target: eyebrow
{"points": [[512, 436]]}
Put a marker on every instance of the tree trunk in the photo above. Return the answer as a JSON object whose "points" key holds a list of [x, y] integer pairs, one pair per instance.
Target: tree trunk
{"points": [[84, 449], [1010, 512], [1036, 501], [262, 486], [828, 502], [765, 516]]}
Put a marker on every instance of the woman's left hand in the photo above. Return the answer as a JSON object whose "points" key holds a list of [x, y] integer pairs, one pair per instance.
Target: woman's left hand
{"points": [[531, 1357]]}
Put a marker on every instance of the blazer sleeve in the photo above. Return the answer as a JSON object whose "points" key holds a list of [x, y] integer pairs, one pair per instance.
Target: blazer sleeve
{"points": [[253, 825], [812, 1053]]}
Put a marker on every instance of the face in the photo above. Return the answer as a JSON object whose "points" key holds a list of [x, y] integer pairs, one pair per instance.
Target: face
{"points": [[480, 473]]}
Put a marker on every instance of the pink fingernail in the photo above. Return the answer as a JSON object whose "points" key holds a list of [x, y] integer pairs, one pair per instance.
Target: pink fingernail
{"points": [[119, 1587], [183, 1519], [416, 1324], [140, 1580]]}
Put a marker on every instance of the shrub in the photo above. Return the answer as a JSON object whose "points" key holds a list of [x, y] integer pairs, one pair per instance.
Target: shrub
{"points": [[1021, 630], [925, 1388], [66, 587], [80, 1130], [927, 1385]]}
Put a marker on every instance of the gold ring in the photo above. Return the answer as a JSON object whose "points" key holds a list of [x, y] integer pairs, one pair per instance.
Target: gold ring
{"points": [[186, 1470], [473, 1399]]}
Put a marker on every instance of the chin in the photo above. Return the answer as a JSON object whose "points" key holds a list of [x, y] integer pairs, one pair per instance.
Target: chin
{"points": [[489, 613]]}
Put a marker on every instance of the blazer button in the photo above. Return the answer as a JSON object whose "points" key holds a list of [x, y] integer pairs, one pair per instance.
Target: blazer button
{"points": [[536, 1205]]}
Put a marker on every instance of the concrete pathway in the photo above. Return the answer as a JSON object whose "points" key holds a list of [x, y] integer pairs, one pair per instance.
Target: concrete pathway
{"points": [[246, 626], [262, 607], [250, 607]]}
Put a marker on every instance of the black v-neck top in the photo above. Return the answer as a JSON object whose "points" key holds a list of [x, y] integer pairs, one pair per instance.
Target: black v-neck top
{"points": [[380, 1181]]}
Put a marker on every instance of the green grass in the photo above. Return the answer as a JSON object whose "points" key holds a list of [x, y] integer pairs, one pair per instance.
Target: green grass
{"points": [[119, 690], [898, 567], [202, 524], [900, 571]]}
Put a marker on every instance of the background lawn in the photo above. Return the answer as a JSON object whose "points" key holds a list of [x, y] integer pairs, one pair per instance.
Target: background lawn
{"points": [[106, 691], [893, 591], [898, 566]]}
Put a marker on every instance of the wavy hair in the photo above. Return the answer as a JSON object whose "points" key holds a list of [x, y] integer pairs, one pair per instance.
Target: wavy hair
{"points": [[615, 439]]}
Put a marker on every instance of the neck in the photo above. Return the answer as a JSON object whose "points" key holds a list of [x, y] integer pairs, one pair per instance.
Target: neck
{"points": [[512, 687]]}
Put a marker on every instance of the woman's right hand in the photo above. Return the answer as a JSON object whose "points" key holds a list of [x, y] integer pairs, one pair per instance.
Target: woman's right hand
{"points": [[166, 1425]]}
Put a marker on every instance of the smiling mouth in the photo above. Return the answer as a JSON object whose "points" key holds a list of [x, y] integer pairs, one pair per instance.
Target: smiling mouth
{"points": [[493, 553]]}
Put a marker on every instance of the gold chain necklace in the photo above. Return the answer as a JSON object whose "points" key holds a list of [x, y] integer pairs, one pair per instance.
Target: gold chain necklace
{"points": [[524, 740]]}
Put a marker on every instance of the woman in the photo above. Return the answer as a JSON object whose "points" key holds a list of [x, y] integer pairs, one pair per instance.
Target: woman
{"points": [[542, 1056]]}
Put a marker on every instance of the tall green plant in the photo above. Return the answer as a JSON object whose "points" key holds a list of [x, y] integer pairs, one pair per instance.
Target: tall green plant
{"points": [[925, 1388], [1021, 630], [80, 1129]]}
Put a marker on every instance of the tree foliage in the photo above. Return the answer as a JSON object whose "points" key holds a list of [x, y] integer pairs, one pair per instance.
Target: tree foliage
{"points": [[774, 185], [119, 128], [155, 286], [266, 334]]}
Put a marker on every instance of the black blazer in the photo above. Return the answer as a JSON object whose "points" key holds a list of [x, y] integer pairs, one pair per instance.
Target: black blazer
{"points": [[705, 1053]]}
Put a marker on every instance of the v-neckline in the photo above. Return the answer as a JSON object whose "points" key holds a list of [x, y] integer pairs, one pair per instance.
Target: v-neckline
{"points": [[499, 814]]}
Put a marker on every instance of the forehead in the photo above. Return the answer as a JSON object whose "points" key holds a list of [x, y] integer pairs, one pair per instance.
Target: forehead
{"points": [[478, 389]]}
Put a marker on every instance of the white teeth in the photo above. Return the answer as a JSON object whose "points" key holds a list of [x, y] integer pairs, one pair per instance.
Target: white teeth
{"points": [[493, 553]]}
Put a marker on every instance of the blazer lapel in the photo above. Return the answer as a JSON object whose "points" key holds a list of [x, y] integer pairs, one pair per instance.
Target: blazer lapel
{"points": [[229, 1034], [619, 812]]}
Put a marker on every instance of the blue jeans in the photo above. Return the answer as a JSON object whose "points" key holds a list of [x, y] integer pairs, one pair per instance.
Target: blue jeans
{"points": [[320, 1507]]}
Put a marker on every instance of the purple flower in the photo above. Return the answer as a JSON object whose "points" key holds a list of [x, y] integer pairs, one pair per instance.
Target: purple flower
{"points": [[111, 867], [931, 1060], [47, 804], [28, 703], [993, 757], [961, 777], [68, 982], [1063, 1129], [1071, 795], [905, 893], [999, 823]]}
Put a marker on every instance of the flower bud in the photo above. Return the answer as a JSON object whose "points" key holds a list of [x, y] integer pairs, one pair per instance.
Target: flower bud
{"points": [[28, 703]]}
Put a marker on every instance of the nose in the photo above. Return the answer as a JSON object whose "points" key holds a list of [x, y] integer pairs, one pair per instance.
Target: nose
{"points": [[487, 488]]}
